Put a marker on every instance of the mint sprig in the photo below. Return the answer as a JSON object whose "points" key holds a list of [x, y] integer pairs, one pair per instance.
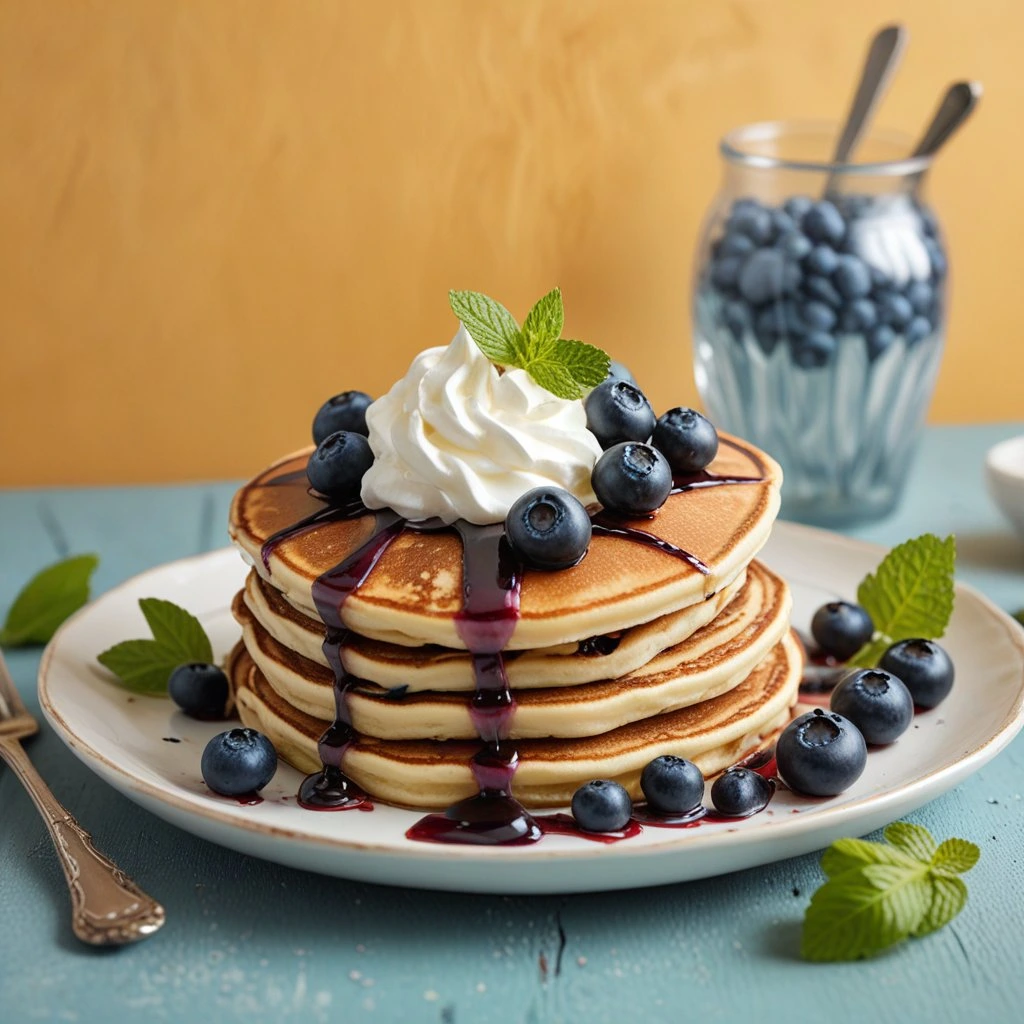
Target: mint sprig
{"points": [[52, 595], [879, 894], [564, 367], [145, 666], [909, 596]]}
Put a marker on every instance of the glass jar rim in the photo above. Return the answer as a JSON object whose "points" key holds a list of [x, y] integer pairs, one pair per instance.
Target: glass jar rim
{"points": [[732, 148]]}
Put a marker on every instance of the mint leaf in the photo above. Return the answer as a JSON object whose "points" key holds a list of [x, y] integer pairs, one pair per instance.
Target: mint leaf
{"points": [[489, 323], [914, 840], [177, 631], [564, 367], [909, 595], [949, 895], [145, 666], [878, 894], [543, 324], [587, 363], [47, 600], [551, 374], [955, 857], [849, 854], [863, 911]]}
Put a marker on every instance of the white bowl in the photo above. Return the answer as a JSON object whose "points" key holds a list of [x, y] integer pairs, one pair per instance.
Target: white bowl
{"points": [[1004, 474]]}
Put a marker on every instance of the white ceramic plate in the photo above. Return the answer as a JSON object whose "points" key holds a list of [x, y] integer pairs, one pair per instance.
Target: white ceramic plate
{"points": [[124, 739]]}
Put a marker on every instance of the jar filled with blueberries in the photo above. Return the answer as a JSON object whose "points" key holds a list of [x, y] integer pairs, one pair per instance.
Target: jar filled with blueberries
{"points": [[819, 313]]}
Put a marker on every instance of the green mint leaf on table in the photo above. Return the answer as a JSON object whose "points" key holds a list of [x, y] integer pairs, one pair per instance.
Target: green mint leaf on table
{"points": [[47, 600], [146, 665], [879, 894], [909, 595], [564, 367]]}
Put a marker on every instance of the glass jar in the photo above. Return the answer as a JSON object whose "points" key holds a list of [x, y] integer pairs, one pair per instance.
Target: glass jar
{"points": [[819, 313]]}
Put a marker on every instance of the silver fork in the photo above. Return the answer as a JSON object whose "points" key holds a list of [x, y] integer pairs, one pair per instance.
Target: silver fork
{"points": [[107, 908]]}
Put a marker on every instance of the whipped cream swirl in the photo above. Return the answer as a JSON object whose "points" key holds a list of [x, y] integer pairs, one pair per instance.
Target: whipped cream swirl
{"points": [[456, 439]]}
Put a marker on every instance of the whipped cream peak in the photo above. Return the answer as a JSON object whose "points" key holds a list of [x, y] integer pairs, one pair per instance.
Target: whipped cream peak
{"points": [[456, 438]]}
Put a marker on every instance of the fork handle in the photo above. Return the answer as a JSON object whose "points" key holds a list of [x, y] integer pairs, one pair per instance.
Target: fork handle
{"points": [[107, 907]]}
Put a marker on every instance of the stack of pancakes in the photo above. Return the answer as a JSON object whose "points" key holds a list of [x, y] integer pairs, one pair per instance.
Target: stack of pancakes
{"points": [[631, 654]]}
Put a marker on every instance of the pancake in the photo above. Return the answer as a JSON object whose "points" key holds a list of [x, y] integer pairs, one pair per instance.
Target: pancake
{"points": [[439, 668], [419, 773], [711, 661], [415, 592]]}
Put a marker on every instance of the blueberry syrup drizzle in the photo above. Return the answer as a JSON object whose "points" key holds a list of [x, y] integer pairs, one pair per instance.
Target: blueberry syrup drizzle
{"points": [[651, 541], [328, 514], [329, 789], [491, 581]]}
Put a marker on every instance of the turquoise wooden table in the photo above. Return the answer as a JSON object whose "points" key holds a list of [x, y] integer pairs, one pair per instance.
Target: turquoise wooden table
{"points": [[248, 941]]}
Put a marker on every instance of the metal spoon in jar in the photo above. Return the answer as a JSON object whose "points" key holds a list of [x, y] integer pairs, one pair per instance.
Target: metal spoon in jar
{"points": [[879, 66], [956, 106]]}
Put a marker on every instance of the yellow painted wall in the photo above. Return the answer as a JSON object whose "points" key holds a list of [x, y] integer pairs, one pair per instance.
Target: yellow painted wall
{"points": [[215, 214]]}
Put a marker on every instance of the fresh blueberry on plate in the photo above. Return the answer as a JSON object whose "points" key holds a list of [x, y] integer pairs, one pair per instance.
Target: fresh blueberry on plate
{"points": [[337, 466], [346, 411], [821, 753], [238, 761], [632, 479], [199, 689], [672, 785], [925, 668], [740, 792], [601, 806], [617, 411], [877, 702], [841, 628], [687, 439], [548, 528]]}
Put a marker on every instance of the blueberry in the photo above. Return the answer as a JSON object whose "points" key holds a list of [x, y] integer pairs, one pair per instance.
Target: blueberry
{"points": [[924, 667], [793, 319], [821, 753], [617, 371], [770, 322], [928, 221], [672, 785], [824, 223], [851, 278], [797, 207], [895, 310], [920, 295], [346, 411], [337, 466], [841, 628], [876, 702], [818, 316], [618, 411], [782, 224], [879, 339], [740, 792], [238, 761], [734, 316], [751, 219], [879, 278], [200, 690], [687, 439], [794, 245], [548, 528], [601, 806], [762, 276], [632, 479], [822, 288], [725, 272], [938, 258], [792, 277], [858, 316], [822, 260], [813, 350], [917, 330], [735, 244]]}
